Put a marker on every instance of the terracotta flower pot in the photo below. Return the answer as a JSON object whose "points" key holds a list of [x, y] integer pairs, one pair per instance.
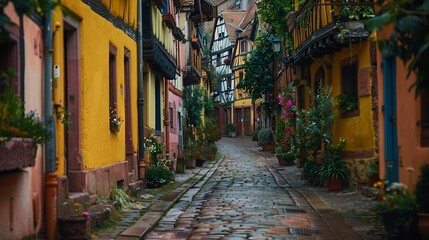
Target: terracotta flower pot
{"points": [[268, 147], [335, 184], [281, 161], [423, 225], [73, 227]]}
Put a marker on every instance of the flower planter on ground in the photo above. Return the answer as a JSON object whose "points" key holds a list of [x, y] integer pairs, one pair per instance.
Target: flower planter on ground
{"points": [[400, 225], [268, 147], [191, 163], [199, 162], [73, 227], [423, 225], [180, 167], [335, 184]]}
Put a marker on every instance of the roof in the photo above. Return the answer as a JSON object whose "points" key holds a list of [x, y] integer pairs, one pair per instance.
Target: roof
{"points": [[233, 20]]}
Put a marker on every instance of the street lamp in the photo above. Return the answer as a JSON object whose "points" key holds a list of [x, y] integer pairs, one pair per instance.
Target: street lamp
{"points": [[276, 43]]}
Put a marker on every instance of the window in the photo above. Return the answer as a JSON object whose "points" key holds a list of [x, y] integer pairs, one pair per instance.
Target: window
{"points": [[301, 97], [9, 65], [218, 59], [171, 118], [112, 77], [157, 105], [425, 119], [348, 101], [243, 46], [221, 35]]}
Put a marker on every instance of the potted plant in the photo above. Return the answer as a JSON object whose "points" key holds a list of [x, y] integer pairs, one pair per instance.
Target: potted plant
{"points": [[212, 132], [265, 139], [422, 198], [20, 132], [311, 172], [346, 102], [397, 208], [192, 152], [115, 121], [158, 175], [255, 133], [372, 173], [181, 164], [209, 152], [333, 169], [153, 147], [231, 130], [75, 225]]}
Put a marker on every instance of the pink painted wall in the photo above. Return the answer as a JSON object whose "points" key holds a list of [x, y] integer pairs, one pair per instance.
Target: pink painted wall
{"points": [[411, 154], [175, 101], [21, 191]]}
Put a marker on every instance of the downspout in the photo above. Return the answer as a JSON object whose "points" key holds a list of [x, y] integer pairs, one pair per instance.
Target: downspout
{"points": [[51, 181], [140, 89], [21, 57], [167, 119]]}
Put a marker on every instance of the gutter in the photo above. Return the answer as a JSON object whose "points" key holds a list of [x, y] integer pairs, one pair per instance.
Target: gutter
{"points": [[140, 87], [51, 181]]}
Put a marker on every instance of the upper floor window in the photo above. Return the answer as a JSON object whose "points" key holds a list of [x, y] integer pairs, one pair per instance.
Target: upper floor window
{"points": [[348, 100], [221, 35], [218, 60], [243, 46], [425, 119], [9, 65], [112, 77]]}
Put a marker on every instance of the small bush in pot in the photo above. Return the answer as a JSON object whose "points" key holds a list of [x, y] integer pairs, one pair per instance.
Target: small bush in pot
{"points": [[265, 136], [255, 133], [333, 169], [158, 176]]}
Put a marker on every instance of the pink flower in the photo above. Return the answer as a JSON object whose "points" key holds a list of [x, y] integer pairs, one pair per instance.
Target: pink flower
{"points": [[85, 214]]}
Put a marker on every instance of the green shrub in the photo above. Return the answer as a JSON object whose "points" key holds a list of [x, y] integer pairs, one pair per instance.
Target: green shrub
{"points": [[422, 189], [158, 176], [265, 136], [255, 133], [15, 122], [119, 197]]}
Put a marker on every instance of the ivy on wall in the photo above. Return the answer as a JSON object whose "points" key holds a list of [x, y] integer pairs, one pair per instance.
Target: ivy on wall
{"points": [[259, 76], [410, 37]]}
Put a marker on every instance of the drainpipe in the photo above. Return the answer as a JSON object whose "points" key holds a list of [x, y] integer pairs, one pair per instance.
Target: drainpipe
{"points": [[140, 89], [167, 119], [51, 181]]}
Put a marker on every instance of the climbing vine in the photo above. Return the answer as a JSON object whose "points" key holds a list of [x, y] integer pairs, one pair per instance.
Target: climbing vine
{"points": [[259, 76], [410, 37]]}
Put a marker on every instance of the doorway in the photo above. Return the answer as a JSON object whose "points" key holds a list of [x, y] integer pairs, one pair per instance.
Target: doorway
{"points": [[72, 134]]}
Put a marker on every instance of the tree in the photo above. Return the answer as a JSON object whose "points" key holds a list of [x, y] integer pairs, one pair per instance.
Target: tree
{"points": [[410, 37], [193, 103], [273, 13], [259, 76], [23, 7]]}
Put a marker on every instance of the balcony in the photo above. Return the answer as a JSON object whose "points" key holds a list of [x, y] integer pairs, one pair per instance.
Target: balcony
{"points": [[154, 52], [324, 26], [191, 75], [160, 4], [178, 34], [169, 21]]}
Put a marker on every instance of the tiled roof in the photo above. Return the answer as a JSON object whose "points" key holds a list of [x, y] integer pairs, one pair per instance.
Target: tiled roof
{"points": [[233, 20]]}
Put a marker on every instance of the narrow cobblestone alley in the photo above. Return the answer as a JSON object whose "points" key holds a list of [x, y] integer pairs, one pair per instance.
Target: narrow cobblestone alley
{"points": [[244, 198]]}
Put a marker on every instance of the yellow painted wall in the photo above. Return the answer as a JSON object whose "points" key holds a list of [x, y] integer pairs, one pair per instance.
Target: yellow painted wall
{"points": [[100, 147], [149, 93], [358, 131]]}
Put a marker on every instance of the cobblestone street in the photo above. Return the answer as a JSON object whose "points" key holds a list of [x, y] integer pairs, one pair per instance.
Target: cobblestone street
{"points": [[245, 197]]}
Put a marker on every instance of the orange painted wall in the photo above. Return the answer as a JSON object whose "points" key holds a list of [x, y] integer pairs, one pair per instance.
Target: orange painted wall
{"points": [[411, 154]]}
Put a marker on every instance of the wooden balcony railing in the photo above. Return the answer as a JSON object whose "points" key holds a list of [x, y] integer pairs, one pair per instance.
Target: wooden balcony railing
{"points": [[317, 23]]}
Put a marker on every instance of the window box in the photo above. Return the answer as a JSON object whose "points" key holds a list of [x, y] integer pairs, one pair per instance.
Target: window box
{"points": [[17, 153]]}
